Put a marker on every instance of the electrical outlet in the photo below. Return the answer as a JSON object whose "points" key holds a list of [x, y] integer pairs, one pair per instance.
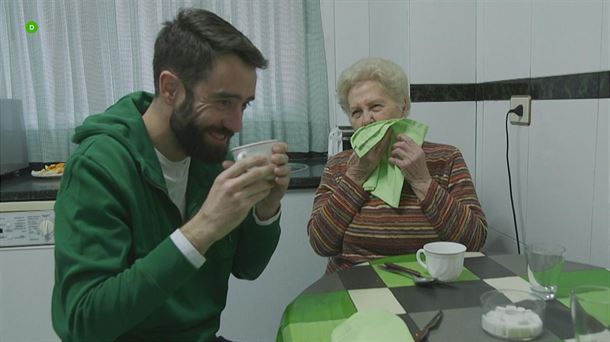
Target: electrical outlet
{"points": [[526, 102]]}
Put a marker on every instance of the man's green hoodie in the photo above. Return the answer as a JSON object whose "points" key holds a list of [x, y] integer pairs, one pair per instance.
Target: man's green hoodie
{"points": [[118, 275]]}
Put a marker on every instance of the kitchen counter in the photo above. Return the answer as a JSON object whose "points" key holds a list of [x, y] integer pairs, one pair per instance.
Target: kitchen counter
{"points": [[27, 188], [24, 187]]}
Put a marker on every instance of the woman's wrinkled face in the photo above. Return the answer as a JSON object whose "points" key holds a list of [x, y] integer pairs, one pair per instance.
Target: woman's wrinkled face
{"points": [[369, 102]]}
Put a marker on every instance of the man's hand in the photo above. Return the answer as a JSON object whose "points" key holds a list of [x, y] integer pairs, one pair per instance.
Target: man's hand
{"points": [[241, 185], [269, 206], [359, 169], [411, 160]]}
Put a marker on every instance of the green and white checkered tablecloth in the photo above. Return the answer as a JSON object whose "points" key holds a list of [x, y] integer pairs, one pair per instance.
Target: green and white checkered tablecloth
{"points": [[331, 300]]}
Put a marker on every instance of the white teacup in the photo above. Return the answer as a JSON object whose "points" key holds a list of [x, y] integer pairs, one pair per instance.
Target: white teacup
{"points": [[444, 260], [260, 148]]}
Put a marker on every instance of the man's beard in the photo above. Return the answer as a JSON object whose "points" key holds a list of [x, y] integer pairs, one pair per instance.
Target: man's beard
{"points": [[191, 133]]}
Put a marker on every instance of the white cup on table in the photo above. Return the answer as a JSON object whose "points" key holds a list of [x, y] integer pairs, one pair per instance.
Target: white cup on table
{"points": [[444, 260]]}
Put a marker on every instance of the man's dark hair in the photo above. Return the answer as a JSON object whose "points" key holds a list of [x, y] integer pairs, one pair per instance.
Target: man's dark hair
{"points": [[189, 46]]}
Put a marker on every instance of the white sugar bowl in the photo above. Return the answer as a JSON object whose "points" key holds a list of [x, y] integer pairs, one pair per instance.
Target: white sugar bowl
{"points": [[512, 314]]}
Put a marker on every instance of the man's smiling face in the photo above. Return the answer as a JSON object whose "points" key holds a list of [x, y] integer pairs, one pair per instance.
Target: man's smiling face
{"points": [[212, 111]]}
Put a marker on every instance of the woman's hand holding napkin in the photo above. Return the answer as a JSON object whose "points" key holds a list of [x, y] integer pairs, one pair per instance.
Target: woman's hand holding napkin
{"points": [[385, 178], [410, 158], [359, 169]]}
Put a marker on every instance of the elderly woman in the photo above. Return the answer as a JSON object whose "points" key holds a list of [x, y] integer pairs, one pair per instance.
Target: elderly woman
{"points": [[438, 201]]}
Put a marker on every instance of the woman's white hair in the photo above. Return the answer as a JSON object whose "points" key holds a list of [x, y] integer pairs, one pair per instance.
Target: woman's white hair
{"points": [[386, 72]]}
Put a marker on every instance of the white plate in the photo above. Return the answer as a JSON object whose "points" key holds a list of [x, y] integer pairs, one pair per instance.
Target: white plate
{"points": [[43, 174]]}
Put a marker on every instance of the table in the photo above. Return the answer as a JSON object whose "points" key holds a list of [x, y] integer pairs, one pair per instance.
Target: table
{"points": [[332, 299]]}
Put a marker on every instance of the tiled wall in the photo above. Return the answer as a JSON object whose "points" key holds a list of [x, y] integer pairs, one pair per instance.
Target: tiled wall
{"points": [[560, 162], [562, 159]]}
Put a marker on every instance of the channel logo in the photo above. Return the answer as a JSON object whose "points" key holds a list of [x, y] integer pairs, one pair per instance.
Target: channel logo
{"points": [[31, 27]]}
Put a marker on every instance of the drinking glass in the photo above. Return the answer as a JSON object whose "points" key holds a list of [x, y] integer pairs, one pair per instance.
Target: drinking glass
{"points": [[590, 306], [544, 266]]}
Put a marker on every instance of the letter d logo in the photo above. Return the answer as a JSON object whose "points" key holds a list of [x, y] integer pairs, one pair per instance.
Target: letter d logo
{"points": [[31, 27]]}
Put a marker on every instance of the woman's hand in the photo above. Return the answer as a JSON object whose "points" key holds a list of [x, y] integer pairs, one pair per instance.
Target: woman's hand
{"points": [[359, 169], [411, 160]]}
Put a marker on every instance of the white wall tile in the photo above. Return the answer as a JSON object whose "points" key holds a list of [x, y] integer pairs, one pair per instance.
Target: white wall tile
{"points": [[442, 41], [600, 237], [327, 9], [352, 36], [389, 29], [566, 36], [492, 175], [450, 123], [560, 174], [351, 39], [499, 243], [341, 117], [503, 39], [605, 44]]}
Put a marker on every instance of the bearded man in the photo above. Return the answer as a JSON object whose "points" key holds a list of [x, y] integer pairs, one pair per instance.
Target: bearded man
{"points": [[153, 214]]}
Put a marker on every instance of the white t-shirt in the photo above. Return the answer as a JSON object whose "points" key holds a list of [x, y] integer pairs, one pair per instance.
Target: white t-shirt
{"points": [[176, 177]]}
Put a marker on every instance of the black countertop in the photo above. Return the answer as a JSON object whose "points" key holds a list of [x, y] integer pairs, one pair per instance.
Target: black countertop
{"points": [[309, 177], [24, 187]]}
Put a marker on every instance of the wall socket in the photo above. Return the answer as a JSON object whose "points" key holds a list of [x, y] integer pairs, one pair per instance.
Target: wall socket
{"points": [[526, 102]]}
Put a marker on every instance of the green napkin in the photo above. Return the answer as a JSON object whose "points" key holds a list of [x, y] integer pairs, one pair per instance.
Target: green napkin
{"points": [[373, 325], [386, 180]]}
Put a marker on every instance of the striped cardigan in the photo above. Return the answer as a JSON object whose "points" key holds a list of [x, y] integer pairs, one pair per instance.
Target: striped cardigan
{"points": [[350, 225]]}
